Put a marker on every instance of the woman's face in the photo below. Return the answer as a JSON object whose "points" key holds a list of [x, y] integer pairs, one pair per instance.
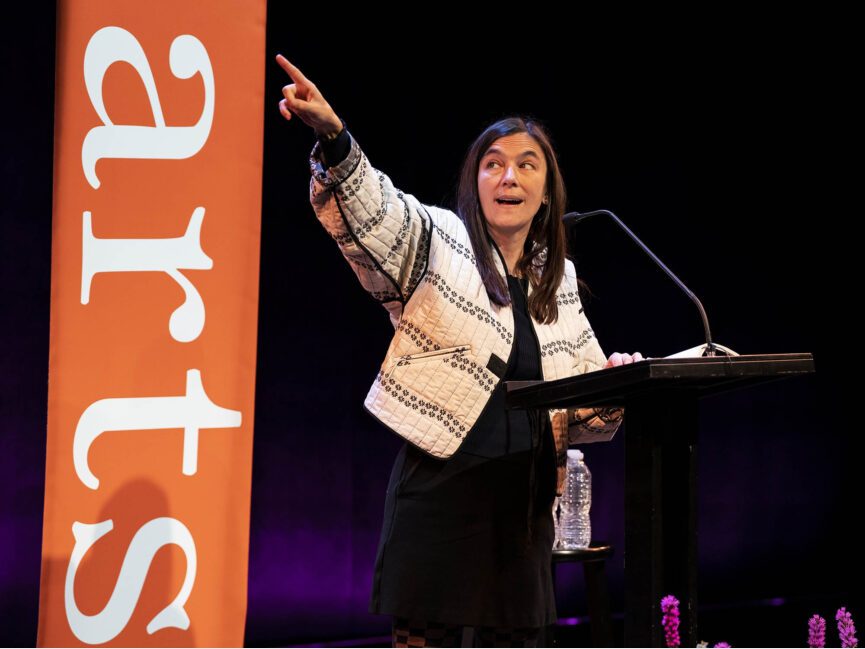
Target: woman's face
{"points": [[513, 166]]}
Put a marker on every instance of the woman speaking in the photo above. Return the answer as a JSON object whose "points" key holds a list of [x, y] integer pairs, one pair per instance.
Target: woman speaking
{"points": [[477, 296]]}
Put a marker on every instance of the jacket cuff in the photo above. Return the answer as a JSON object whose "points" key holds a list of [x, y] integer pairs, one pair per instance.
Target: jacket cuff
{"points": [[607, 414], [593, 424], [329, 176]]}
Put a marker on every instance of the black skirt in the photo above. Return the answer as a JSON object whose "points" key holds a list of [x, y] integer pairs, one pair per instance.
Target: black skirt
{"points": [[468, 540]]}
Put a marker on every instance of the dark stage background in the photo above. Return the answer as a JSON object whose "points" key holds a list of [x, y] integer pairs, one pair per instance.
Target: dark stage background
{"points": [[719, 152]]}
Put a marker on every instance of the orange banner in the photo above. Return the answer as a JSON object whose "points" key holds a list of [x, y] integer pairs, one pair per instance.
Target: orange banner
{"points": [[154, 294]]}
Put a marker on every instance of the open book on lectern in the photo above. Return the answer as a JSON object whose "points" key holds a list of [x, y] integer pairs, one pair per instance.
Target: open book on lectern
{"points": [[698, 351]]}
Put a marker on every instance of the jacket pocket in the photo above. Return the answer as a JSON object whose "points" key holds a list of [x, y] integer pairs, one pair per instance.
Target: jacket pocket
{"points": [[436, 354]]}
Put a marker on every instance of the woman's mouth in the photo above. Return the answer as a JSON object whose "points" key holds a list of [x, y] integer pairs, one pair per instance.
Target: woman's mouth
{"points": [[509, 202]]}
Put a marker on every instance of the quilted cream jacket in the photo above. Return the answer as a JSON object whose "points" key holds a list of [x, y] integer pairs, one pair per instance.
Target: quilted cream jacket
{"points": [[451, 344]]}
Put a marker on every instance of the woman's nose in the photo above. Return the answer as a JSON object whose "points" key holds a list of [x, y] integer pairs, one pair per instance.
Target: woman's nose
{"points": [[509, 174]]}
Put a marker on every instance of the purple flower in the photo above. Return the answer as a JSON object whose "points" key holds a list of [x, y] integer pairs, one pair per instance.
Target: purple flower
{"points": [[722, 644], [816, 631], [670, 620], [846, 629]]}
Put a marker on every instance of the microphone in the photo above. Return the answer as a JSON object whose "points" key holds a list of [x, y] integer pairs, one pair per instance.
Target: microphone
{"points": [[572, 218]]}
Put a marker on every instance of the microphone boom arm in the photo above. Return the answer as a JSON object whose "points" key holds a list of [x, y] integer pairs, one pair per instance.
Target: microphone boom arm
{"points": [[573, 218]]}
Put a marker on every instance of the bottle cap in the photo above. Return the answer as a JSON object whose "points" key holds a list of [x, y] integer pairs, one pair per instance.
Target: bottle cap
{"points": [[575, 453]]}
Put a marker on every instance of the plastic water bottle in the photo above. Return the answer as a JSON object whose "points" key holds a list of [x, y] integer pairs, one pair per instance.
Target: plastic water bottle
{"points": [[574, 522]]}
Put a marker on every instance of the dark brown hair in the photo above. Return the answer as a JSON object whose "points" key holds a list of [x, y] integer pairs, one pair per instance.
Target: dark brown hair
{"points": [[544, 252]]}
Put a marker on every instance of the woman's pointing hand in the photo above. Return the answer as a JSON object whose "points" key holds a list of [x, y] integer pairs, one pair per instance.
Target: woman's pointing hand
{"points": [[302, 98]]}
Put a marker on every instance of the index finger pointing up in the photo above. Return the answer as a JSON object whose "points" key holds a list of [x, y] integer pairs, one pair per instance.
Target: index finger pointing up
{"points": [[293, 71]]}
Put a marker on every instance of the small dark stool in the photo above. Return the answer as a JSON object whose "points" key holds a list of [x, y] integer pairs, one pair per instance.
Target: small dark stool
{"points": [[593, 559]]}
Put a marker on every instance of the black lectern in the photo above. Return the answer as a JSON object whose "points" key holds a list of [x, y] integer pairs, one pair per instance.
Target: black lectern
{"points": [[661, 400]]}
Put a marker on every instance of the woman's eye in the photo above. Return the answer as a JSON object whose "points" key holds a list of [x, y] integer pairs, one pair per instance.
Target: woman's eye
{"points": [[493, 162]]}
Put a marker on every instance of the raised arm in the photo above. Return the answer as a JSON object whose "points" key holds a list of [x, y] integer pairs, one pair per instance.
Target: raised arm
{"points": [[382, 232]]}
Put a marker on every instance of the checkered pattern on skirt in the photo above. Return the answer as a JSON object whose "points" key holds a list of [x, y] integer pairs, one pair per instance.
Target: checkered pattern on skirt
{"points": [[425, 633]]}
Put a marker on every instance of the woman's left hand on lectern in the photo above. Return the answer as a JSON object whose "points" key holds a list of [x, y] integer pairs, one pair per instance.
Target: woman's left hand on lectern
{"points": [[616, 359]]}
